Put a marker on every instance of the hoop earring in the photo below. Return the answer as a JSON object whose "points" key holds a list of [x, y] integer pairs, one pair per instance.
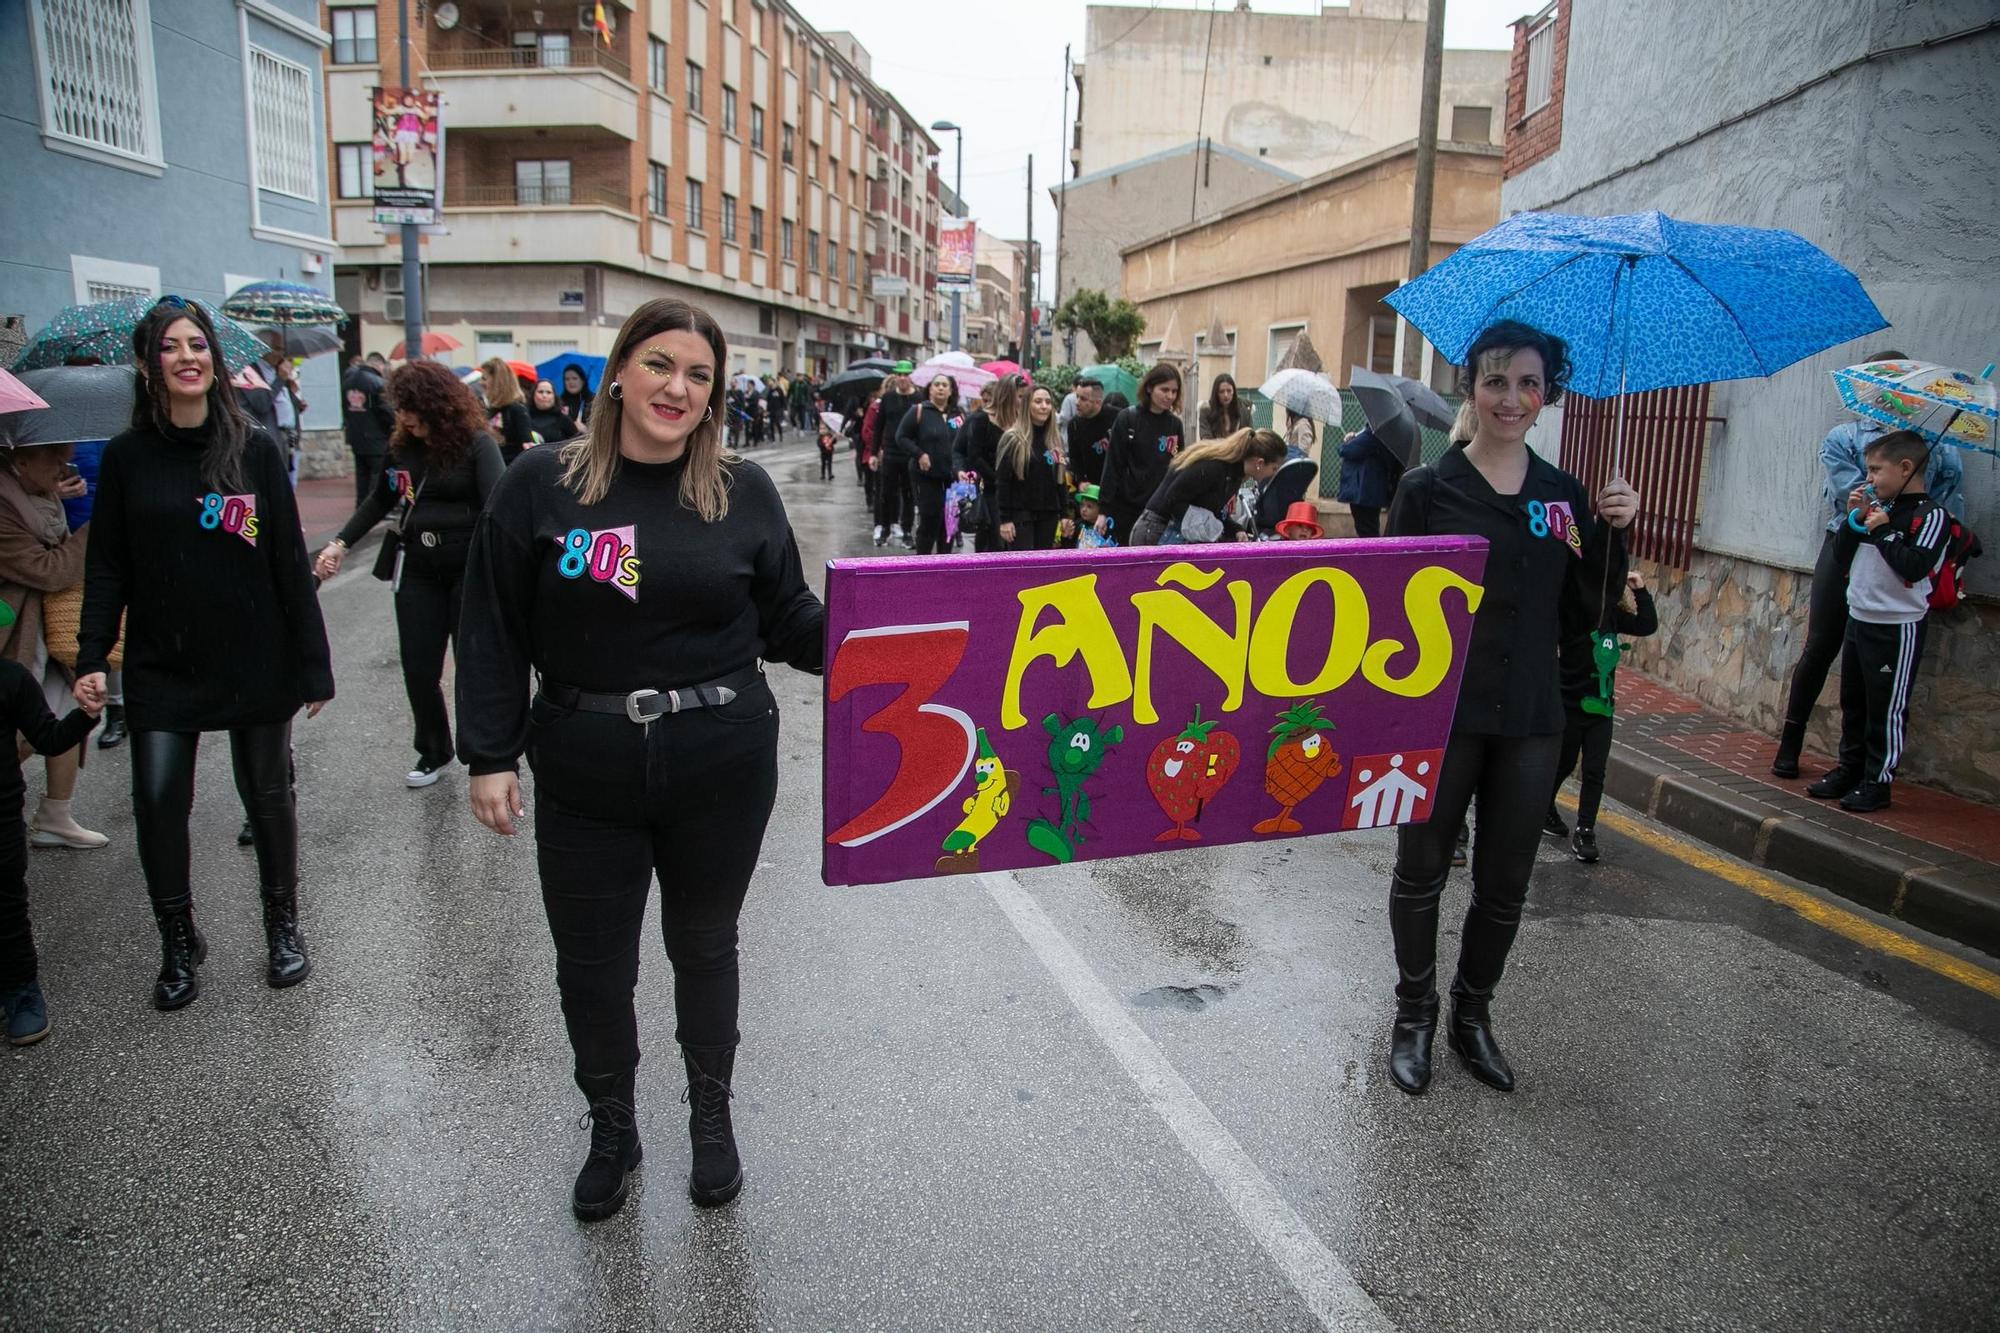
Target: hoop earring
{"points": [[708, 414], [617, 391]]}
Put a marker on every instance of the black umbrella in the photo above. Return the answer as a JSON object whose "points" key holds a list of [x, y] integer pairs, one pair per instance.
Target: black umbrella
{"points": [[301, 340], [84, 403], [854, 383], [1391, 415]]}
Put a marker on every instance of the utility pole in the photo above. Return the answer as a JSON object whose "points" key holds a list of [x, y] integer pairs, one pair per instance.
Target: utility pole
{"points": [[1028, 302], [1427, 148], [1063, 174], [413, 277]]}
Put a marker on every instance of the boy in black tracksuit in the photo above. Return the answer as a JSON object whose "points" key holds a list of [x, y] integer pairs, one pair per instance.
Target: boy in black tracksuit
{"points": [[1897, 535], [1587, 732]]}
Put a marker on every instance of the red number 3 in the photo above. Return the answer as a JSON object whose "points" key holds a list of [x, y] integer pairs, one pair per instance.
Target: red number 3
{"points": [[936, 741]]}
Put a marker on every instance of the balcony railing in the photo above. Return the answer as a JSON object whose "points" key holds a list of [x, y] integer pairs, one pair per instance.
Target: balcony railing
{"points": [[581, 194], [499, 60]]}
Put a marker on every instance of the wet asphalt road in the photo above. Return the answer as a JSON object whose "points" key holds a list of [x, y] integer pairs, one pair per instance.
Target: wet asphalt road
{"points": [[1145, 1095]]}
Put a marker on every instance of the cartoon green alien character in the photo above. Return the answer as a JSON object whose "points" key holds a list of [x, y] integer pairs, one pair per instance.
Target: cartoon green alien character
{"points": [[1604, 654], [1076, 750]]}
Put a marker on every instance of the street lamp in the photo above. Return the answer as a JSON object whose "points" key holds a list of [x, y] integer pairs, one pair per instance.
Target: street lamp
{"points": [[958, 195]]}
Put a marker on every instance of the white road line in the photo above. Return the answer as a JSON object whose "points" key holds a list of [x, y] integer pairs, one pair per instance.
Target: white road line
{"points": [[1315, 1272]]}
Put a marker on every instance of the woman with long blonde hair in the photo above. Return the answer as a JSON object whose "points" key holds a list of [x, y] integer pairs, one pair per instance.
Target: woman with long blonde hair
{"points": [[1028, 476], [1204, 477], [641, 571], [509, 419], [976, 451]]}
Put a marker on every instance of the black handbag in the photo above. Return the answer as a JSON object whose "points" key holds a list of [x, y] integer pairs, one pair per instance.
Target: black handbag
{"points": [[389, 560]]}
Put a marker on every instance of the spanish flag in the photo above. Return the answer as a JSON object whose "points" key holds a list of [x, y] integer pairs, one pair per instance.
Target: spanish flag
{"points": [[600, 23]]}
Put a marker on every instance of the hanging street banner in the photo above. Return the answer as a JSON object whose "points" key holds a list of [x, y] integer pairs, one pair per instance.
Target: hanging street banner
{"points": [[409, 156], [1002, 712], [956, 245]]}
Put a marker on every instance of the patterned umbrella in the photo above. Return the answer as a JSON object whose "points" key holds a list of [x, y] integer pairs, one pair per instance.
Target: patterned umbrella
{"points": [[84, 403], [969, 378], [104, 331], [1304, 394], [283, 304], [1936, 401]]}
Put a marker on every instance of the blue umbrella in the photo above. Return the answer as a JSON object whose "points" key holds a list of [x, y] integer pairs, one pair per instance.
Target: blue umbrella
{"points": [[552, 369], [1644, 301]]}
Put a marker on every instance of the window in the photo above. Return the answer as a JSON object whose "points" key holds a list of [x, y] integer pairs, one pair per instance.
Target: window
{"points": [[853, 267], [354, 36], [832, 259], [282, 121], [356, 164], [785, 231], [728, 110], [729, 218], [756, 228], [694, 218], [94, 62], [656, 189], [541, 182], [543, 349], [785, 144], [757, 128], [812, 77], [1471, 124], [1541, 64], [812, 251], [1382, 344], [111, 279], [552, 50], [694, 88], [815, 161], [656, 65], [1280, 346]]}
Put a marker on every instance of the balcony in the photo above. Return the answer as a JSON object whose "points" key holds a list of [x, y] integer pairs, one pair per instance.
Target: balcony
{"points": [[573, 195], [510, 88]]}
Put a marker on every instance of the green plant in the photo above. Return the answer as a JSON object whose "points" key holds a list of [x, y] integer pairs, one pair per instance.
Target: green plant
{"points": [[1113, 324]]}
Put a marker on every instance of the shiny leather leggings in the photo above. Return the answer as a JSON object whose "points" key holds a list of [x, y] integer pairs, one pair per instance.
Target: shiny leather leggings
{"points": [[163, 796], [1512, 778]]}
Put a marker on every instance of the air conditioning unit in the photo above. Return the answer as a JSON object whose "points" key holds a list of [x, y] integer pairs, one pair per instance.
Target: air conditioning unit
{"points": [[392, 279], [586, 18], [392, 309]]}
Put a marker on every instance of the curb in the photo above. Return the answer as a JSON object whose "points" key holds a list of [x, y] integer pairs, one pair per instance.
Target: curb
{"points": [[1902, 877]]}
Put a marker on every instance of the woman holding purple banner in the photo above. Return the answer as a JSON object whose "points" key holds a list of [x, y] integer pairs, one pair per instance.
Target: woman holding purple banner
{"points": [[1545, 552]]}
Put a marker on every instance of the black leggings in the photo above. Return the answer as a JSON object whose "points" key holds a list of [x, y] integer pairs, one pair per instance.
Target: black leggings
{"points": [[1367, 520], [1512, 777], [163, 796], [426, 623], [1034, 534], [930, 519], [18, 965], [1588, 736], [1826, 627], [895, 504], [687, 798]]}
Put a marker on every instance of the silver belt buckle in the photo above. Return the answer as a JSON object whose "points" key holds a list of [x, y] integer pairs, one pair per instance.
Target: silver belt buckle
{"points": [[636, 699], [429, 538]]}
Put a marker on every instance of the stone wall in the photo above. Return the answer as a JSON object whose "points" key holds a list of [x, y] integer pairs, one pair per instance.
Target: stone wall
{"points": [[324, 453], [1731, 628]]}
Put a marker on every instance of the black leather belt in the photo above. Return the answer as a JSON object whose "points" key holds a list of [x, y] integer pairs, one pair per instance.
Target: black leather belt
{"points": [[650, 705]]}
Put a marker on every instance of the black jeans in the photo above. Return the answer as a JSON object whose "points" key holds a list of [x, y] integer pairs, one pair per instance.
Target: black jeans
{"points": [[427, 605], [1367, 520], [163, 795], [1826, 626], [18, 964], [1512, 777], [687, 798], [826, 465], [894, 502], [930, 519], [1588, 736], [367, 473], [1878, 664]]}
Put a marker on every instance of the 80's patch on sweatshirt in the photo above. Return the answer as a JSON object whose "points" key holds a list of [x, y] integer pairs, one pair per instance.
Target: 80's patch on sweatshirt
{"points": [[609, 556], [234, 514]]}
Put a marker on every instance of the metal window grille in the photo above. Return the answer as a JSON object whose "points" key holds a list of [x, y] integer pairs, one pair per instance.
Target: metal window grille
{"points": [[113, 291], [281, 109], [1666, 436], [97, 76], [1541, 64]]}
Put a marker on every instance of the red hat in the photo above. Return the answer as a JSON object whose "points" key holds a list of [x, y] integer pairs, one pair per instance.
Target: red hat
{"points": [[1302, 515]]}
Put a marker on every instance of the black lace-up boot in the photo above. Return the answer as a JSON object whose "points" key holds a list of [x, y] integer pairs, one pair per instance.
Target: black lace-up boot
{"points": [[288, 962], [182, 950], [717, 1174], [606, 1177]]}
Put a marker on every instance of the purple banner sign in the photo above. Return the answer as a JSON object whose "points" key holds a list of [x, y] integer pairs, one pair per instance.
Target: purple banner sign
{"points": [[1011, 711]]}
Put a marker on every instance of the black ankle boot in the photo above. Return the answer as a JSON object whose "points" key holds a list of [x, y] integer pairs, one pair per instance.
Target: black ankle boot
{"points": [[182, 950], [1790, 741], [606, 1177], [288, 964], [1410, 1043], [113, 734], [717, 1174], [1472, 1039]]}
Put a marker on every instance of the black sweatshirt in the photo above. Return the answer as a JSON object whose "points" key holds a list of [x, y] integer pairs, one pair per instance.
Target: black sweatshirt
{"points": [[1038, 494], [448, 503], [516, 430], [553, 426], [1086, 441], [1208, 484], [1575, 660], [682, 601], [221, 630], [364, 418], [977, 448], [23, 709], [925, 430], [1140, 447]]}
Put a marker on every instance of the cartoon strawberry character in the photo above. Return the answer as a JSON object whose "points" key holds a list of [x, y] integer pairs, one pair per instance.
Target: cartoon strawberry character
{"points": [[1299, 760], [1186, 771]]}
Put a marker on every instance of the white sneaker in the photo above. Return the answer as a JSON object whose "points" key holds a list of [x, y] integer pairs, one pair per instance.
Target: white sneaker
{"points": [[75, 836], [424, 777], [878, 534], [895, 532]]}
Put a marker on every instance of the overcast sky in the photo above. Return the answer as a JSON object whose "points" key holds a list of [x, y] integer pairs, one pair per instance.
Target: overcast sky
{"points": [[1002, 79]]}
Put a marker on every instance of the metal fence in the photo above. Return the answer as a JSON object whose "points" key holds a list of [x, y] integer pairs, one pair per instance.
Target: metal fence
{"points": [[1435, 442]]}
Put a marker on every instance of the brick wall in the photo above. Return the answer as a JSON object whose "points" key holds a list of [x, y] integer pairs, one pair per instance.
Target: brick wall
{"points": [[1532, 138]]}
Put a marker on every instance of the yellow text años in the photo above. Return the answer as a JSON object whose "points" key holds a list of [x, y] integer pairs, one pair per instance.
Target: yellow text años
{"points": [[1253, 650]]}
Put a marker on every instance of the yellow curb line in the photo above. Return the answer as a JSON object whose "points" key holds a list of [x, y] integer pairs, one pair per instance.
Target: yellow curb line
{"points": [[1836, 919]]}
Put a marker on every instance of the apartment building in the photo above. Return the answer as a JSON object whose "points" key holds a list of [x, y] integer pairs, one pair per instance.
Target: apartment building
{"points": [[726, 152]]}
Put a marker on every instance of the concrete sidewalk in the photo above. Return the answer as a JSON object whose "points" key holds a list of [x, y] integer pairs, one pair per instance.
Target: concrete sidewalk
{"points": [[1931, 859], [324, 504]]}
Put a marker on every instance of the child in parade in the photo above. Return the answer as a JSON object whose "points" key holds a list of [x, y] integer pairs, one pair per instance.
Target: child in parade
{"points": [[826, 443], [1587, 708], [1093, 530], [1895, 535], [640, 574], [25, 711]]}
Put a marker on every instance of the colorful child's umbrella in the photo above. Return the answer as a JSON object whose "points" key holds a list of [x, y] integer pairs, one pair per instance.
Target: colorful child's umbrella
{"points": [[283, 305], [1938, 402]]}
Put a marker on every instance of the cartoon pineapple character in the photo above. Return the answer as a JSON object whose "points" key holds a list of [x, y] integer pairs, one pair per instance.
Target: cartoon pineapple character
{"points": [[1299, 760]]}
